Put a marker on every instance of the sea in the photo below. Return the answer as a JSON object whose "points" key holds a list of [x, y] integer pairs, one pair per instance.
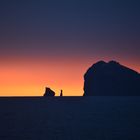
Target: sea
{"points": [[70, 118]]}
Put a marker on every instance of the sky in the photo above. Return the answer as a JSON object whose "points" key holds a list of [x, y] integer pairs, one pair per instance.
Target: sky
{"points": [[52, 43]]}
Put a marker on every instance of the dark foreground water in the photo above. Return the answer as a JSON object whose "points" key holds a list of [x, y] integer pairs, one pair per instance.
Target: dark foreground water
{"points": [[70, 118]]}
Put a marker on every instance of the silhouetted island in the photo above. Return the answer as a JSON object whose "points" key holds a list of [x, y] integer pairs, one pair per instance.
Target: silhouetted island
{"points": [[61, 93], [49, 92], [111, 78]]}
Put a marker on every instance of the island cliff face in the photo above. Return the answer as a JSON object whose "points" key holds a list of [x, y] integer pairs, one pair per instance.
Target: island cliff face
{"points": [[111, 79]]}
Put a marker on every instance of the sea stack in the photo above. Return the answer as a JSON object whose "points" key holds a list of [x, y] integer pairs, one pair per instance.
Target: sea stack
{"points": [[61, 93], [111, 79], [49, 92]]}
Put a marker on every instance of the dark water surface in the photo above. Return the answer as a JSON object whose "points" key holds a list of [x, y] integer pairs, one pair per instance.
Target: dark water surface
{"points": [[70, 118]]}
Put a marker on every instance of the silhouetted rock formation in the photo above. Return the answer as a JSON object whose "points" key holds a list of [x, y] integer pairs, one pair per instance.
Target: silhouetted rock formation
{"points": [[111, 78], [61, 93], [49, 92]]}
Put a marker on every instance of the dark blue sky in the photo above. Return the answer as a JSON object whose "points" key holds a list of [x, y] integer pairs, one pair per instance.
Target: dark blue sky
{"points": [[103, 27]]}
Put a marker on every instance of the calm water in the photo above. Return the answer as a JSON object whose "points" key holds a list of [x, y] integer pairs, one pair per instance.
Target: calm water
{"points": [[70, 118]]}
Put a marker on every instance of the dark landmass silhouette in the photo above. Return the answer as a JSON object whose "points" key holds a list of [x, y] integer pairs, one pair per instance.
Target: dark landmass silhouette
{"points": [[49, 92], [61, 93], [111, 79]]}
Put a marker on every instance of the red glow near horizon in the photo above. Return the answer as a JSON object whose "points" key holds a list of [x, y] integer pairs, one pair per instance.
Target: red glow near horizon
{"points": [[29, 78]]}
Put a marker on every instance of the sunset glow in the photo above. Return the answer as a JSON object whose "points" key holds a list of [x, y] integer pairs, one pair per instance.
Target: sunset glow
{"points": [[53, 43], [28, 79]]}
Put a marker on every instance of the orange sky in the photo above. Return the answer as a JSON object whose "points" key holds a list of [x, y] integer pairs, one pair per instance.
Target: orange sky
{"points": [[29, 78]]}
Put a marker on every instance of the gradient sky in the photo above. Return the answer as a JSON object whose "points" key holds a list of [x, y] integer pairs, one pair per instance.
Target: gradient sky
{"points": [[53, 42]]}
